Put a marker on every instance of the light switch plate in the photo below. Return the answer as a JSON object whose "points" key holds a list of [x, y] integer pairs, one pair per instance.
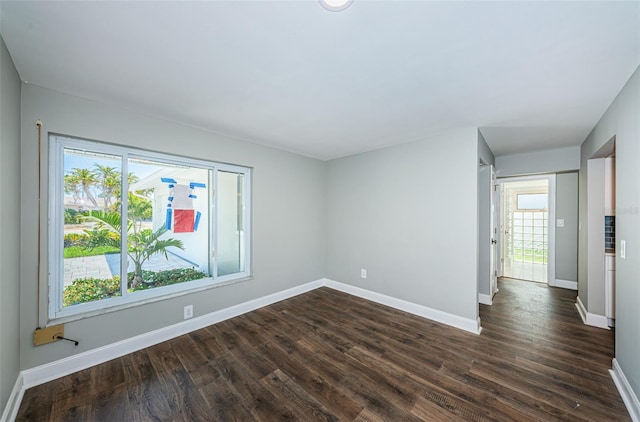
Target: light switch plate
{"points": [[623, 249], [560, 222]]}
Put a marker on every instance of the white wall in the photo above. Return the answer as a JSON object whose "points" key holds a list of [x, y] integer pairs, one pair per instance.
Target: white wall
{"points": [[595, 227], [567, 236], [409, 215], [484, 230], [547, 161], [288, 217], [621, 120], [9, 229]]}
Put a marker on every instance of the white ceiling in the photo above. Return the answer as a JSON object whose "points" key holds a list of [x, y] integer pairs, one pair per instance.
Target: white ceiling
{"points": [[290, 74]]}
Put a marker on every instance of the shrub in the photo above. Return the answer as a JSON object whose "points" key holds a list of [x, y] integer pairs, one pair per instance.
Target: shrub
{"points": [[90, 243], [166, 278], [89, 289], [101, 237], [72, 216], [76, 239]]}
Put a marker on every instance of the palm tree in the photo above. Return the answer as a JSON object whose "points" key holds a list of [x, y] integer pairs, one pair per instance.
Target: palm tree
{"points": [[142, 244], [131, 179], [109, 179], [71, 186], [87, 179]]}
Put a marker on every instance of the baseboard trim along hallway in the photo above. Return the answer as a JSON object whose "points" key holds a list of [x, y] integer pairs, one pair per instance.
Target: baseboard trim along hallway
{"points": [[588, 318], [565, 284], [484, 299]]}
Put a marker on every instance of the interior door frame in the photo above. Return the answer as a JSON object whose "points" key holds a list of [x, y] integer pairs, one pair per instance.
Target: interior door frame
{"points": [[495, 243], [551, 258]]}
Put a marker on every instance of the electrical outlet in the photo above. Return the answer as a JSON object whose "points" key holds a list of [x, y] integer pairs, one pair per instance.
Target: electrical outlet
{"points": [[363, 273], [188, 312]]}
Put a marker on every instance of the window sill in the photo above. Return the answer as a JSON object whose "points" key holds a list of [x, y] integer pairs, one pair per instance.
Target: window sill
{"points": [[63, 319]]}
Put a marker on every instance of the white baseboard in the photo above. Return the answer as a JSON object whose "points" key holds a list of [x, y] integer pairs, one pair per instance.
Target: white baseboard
{"points": [[565, 284], [588, 318], [484, 299], [629, 397], [44, 373], [599, 321], [59, 368], [472, 326], [15, 398]]}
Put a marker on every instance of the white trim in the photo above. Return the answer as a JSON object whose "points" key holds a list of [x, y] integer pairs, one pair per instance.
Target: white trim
{"points": [[588, 318], [472, 326], [564, 284], [629, 397], [15, 398], [551, 225], [59, 368], [599, 321], [484, 299]]}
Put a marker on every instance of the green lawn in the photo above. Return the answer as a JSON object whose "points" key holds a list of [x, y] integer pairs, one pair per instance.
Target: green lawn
{"points": [[525, 255], [79, 251]]}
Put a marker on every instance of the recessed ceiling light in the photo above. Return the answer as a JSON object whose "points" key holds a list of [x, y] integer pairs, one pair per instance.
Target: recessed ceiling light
{"points": [[335, 5]]}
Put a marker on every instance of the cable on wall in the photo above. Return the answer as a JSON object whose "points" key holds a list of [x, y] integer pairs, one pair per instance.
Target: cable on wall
{"points": [[39, 126]]}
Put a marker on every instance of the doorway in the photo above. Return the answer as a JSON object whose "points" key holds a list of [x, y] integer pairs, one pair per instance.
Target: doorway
{"points": [[527, 228]]}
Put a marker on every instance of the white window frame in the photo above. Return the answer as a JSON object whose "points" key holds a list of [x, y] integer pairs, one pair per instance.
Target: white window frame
{"points": [[56, 311]]}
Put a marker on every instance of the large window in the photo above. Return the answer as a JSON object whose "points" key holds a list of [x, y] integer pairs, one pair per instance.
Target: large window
{"points": [[129, 225]]}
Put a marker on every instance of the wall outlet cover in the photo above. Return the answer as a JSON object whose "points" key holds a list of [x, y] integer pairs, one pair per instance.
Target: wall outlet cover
{"points": [[188, 312]]}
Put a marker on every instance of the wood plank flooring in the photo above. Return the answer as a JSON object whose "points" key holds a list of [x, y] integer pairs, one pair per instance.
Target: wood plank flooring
{"points": [[329, 356]]}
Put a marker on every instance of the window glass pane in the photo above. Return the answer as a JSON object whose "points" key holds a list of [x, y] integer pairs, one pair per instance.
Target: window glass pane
{"points": [[92, 187], [231, 233], [168, 212], [537, 201]]}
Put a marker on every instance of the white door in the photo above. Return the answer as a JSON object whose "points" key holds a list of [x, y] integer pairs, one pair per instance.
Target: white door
{"points": [[527, 231]]}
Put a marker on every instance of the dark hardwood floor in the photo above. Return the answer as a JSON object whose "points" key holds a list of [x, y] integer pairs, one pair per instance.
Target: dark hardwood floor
{"points": [[326, 355]]}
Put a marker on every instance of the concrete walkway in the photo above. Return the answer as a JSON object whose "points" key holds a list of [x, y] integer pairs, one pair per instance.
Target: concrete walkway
{"points": [[86, 266]]}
